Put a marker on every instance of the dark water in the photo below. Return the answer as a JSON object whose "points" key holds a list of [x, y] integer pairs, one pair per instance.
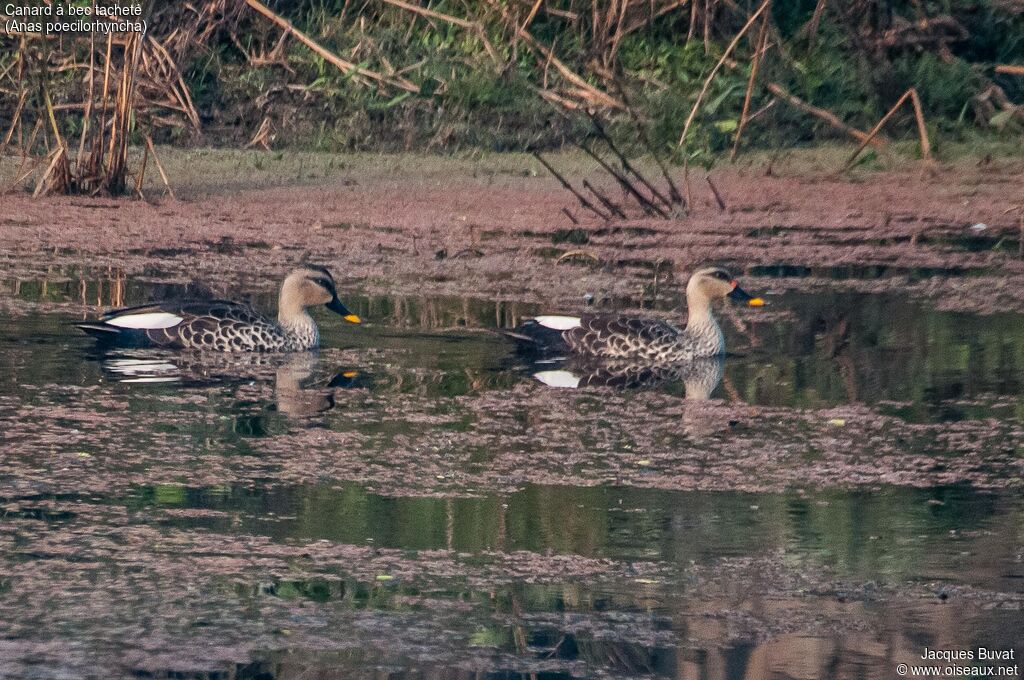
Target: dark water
{"points": [[811, 581]]}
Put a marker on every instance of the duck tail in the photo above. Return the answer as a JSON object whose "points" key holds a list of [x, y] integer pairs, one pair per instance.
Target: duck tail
{"points": [[533, 338], [108, 335], [98, 329]]}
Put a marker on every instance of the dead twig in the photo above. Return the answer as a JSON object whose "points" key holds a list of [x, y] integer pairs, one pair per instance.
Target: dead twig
{"points": [[604, 200], [673, 190], [142, 173], [577, 253], [754, 63], [14, 122], [569, 187], [346, 67], [816, 111], [646, 204], [910, 94], [626, 165], [714, 190], [714, 71], [264, 135], [159, 167], [583, 89], [473, 26], [922, 130]]}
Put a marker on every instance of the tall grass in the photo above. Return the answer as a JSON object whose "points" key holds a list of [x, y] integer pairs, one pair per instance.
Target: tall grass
{"points": [[499, 75]]}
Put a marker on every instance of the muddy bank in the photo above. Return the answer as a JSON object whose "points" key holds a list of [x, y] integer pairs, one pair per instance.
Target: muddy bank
{"points": [[493, 227]]}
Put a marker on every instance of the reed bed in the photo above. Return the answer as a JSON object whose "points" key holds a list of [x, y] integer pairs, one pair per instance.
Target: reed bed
{"points": [[681, 80]]}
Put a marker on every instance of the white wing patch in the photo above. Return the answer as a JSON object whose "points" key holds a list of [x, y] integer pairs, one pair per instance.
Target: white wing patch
{"points": [[558, 378], [147, 321], [559, 323]]}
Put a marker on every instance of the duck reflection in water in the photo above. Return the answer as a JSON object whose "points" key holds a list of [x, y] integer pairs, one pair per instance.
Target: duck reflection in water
{"points": [[700, 377], [298, 397], [301, 388]]}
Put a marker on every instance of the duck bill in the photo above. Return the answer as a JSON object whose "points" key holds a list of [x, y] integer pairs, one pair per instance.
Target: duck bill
{"points": [[743, 296], [341, 310]]}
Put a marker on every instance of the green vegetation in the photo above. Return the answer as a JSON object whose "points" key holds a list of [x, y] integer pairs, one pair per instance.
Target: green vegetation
{"points": [[503, 75], [490, 90]]}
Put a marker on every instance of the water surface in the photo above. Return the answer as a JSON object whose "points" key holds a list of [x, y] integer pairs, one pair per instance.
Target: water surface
{"points": [[410, 502]]}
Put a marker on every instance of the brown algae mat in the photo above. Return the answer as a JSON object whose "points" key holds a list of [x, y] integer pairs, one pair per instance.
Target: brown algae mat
{"points": [[233, 523]]}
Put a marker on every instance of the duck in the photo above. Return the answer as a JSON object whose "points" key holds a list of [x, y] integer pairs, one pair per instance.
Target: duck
{"points": [[637, 339], [226, 326]]}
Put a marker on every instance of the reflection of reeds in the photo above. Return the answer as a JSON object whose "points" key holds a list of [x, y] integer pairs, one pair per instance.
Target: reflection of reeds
{"points": [[92, 288]]}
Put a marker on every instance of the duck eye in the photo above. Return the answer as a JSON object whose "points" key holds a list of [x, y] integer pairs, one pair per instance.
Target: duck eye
{"points": [[323, 283]]}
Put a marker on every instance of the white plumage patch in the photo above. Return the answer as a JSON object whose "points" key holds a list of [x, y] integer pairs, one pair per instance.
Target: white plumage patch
{"points": [[147, 321], [559, 323], [143, 370], [558, 378]]}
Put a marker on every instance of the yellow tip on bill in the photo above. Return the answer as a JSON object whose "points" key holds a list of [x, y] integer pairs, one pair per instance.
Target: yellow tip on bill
{"points": [[755, 302], [352, 318], [349, 374]]}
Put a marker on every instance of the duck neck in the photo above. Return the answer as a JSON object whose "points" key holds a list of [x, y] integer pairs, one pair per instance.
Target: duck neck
{"points": [[701, 324], [297, 323]]}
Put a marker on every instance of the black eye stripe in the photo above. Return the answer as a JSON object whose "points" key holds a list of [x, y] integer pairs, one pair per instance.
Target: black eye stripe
{"points": [[325, 283]]}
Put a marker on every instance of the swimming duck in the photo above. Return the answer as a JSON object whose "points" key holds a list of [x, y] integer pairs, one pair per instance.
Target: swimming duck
{"points": [[225, 326], [612, 336]]}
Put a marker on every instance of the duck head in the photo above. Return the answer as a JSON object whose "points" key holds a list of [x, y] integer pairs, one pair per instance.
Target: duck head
{"points": [[715, 283], [309, 286]]}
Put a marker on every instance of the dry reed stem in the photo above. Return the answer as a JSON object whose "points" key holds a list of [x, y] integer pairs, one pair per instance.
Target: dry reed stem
{"points": [[51, 177], [584, 89], [624, 162], [558, 99], [262, 136], [910, 94], [159, 166], [21, 174], [529, 17], [181, 92], [922, 130], [714, 190], [754, 63], [816, 111], [346, 67], [1010, 69], [473, 26], [714, 71], [810, 29], [640, 23], [673, 191], [87, 115], [142, 173], [423, 11]]}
